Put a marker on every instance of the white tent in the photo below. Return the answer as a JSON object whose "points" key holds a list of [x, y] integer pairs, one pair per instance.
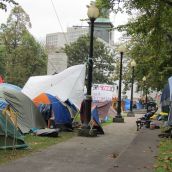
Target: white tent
{"points": [[69, 84]]}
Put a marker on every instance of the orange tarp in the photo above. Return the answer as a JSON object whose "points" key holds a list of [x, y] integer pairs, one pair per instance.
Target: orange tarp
{"points": [[41, 99]]}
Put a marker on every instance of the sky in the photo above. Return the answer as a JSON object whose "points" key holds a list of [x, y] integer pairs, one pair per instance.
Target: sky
{"points": [[67, 13]]}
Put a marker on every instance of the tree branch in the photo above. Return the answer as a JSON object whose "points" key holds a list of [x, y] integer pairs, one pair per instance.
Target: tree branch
{"points": [[169, 2]]}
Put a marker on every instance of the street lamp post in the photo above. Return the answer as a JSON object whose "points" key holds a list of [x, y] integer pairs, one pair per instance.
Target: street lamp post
{"points": [[93, 13], [119, 118], [146, 100], [131, 113]]}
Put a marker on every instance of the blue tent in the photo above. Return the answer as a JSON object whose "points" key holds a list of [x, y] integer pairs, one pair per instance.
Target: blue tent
{"points": [[127, 104], [166, 98], [170, 106], [47, 102], [61, 112]]}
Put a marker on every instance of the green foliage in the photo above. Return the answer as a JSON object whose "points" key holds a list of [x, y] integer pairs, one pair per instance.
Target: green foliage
{"points": [[78, 52], [3, 4], [150, 33], [110, 5], [164, 160], [35, 144], [2, 64], [103, 7], [151, 36], [23, 56]]}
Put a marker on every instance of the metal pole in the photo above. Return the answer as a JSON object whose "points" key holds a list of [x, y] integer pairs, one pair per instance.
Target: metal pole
{"points": [[119, 91], [88, 99], [132, 82], [146, 101]]}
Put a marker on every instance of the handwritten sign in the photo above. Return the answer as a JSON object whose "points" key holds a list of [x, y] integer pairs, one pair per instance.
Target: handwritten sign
{"points": [[101, 92]]}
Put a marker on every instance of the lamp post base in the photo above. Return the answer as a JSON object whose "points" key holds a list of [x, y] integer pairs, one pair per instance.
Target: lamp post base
{"points": [[118, 119], [87, 132], [130, 114]]}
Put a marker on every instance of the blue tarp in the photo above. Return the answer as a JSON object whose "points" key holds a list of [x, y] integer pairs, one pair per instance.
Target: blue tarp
{"points": [[170, 106], [139, 105], [170, 87], [166, 99], [127, 104], [95, 116]]}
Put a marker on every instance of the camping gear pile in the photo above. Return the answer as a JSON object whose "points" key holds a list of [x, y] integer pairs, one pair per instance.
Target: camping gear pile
{"points": [[145, 119], [151, 119]]}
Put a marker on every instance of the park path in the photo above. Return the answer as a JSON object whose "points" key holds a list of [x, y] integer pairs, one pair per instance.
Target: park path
{"points": [[105, 153]]}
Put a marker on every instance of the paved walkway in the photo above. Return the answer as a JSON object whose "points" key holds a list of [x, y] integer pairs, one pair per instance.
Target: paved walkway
{"points": [[121, 149]]}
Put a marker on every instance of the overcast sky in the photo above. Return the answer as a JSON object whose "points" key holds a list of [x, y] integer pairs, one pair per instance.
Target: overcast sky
{"points": [[69, 12]]}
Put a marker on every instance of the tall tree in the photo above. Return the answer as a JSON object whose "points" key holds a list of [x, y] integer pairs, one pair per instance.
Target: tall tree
{"points": [[3, 4], [24, 56], [103, 67], [150, 33]]}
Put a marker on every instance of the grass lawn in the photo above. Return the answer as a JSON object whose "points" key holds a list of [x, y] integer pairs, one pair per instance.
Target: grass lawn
{"points": [[109, 121], [35, 143], [164, 159]]}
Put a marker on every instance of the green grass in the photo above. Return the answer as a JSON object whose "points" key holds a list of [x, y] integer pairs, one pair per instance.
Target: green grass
{"points": [[164, 159], [35, 143], [109, 121]]}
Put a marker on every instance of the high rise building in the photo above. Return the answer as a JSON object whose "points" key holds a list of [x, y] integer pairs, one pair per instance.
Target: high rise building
{"points": [[55, 42]]}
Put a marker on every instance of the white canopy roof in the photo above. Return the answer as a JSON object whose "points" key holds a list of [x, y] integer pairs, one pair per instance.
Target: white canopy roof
{"points": [[69, 84]]}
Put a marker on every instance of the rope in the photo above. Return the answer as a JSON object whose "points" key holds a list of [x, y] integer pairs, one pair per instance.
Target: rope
{"points": [[14, 136], [91, 123], [5, 139]]}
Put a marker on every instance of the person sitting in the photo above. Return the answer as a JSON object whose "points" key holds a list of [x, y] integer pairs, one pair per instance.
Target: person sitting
{"points": [[51, 119]]}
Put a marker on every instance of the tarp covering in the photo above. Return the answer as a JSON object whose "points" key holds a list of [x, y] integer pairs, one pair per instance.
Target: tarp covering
{"points": [[105, 109], [127, 104], [69, 84], [28, 116], [95, 120], [166, 99], [170, 86], [170, 107]]}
